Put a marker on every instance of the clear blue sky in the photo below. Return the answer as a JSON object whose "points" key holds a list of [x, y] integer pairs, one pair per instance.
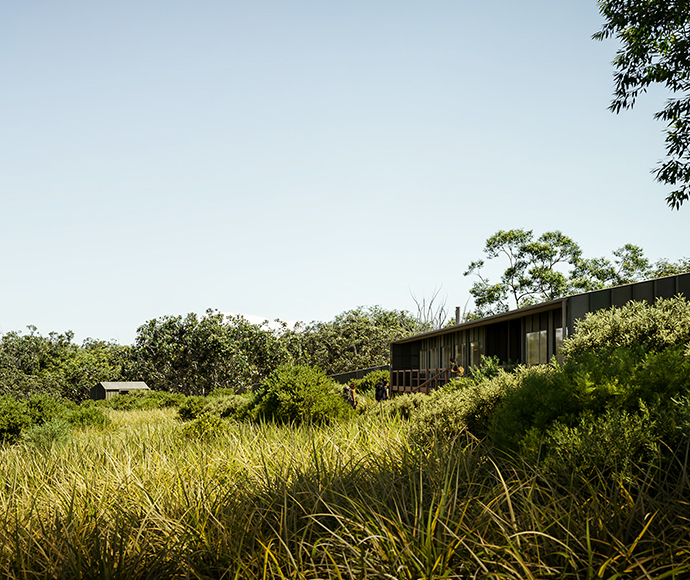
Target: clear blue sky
{"points": [[297, 159]]}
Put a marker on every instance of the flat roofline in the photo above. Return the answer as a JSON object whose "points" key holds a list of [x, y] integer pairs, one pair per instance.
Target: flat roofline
{"points": [[519, 312], [503, 316]]}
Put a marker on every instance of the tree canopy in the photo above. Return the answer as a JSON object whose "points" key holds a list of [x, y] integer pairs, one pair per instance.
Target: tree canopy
{"points": [[552, 266], [355, 339], [195, 354], [33, 364], [655, 49]]}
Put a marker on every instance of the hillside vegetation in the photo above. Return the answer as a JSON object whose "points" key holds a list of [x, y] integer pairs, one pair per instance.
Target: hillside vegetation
{"points": [[194, 355], [562, 471]]}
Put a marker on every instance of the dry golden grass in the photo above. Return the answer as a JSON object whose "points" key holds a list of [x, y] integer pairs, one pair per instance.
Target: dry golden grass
{"points": [[141, 500]]}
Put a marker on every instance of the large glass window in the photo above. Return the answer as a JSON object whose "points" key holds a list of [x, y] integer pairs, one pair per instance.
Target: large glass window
{"points": [[460, 353], [475, 353], [537, 347], [433, 358], [559, 344], [446, 354]]}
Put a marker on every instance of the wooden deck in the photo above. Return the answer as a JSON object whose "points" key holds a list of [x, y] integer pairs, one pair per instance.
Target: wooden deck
{"points": [[418, 381]]}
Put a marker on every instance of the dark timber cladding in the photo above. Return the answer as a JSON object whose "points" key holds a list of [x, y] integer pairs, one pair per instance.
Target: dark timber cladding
{"points": [[530, 335]]}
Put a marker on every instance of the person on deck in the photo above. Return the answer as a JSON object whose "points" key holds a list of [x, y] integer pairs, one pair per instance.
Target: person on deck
{"points": [[455, 370]]}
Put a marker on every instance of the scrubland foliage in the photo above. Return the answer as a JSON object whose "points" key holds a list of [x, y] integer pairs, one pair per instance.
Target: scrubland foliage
{"points": [[210, 498], [299, 394], [197, 355], [368, 381], [637, 325], [565, 471], [54, 365], [400, 406], [625, 381]]}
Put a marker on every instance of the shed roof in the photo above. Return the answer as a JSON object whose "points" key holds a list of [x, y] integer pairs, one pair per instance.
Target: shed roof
{"points": [[123, 385]]}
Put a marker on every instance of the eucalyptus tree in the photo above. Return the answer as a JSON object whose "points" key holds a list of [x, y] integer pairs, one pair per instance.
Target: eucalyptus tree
{"points": [[654, 37], [56, 365], [548, 267], [196, 354], [354, 339]]}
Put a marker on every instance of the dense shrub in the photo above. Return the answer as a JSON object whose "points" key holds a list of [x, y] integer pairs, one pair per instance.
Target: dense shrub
{"points": [[143, 400], [299, 394], [440, 419], [44, 408], [88, 416], [14, 417], [21, 385], [192, 407], [369, 381], [637, 325], [157, 400], [489, 368], [403, 406], [620, 360], [593, 384], [229, 406], [615, 443], [222, 392], [204, 427], [43, 436], [463, 405]]}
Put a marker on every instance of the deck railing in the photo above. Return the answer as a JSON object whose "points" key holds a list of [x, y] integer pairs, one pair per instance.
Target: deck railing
{"points": [[418, 380]]}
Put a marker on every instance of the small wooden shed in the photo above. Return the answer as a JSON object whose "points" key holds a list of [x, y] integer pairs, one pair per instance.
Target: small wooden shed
{"points": [[107, 390]]}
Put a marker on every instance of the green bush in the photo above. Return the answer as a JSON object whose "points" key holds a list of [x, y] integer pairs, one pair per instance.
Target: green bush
{"points": [[15, 382], [466, 405], [637, 325], [88, 416], [620, 379], [299, 394], [143, 400], [542, 395], [204, 427], [440, 419], [403, 406], [457, 384], [44, 408], [369, 381], [229, 406], [157, 400], [489, 368], [221, 393], [14, 418], [44, 435], [192, 407], [615, 443]]}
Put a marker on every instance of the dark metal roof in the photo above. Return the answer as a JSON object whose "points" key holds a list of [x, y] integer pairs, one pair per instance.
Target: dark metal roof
{"points": [[517, 313], [503, 316], [123, 385]]}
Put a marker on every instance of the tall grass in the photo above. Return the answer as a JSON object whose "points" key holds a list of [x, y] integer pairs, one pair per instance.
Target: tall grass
{"points": [[141, 499]]}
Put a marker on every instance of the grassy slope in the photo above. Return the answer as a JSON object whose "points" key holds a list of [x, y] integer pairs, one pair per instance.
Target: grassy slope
{"points": [[140, 500]]}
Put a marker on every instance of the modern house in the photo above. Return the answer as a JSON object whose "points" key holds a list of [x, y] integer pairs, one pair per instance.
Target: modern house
{"points": [[107, 390], [529, 335]]}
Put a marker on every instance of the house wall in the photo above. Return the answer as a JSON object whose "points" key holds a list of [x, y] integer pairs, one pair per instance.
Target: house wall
{"points": [[435, 352], [533, 338], [503, 339], [649, 291]]}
